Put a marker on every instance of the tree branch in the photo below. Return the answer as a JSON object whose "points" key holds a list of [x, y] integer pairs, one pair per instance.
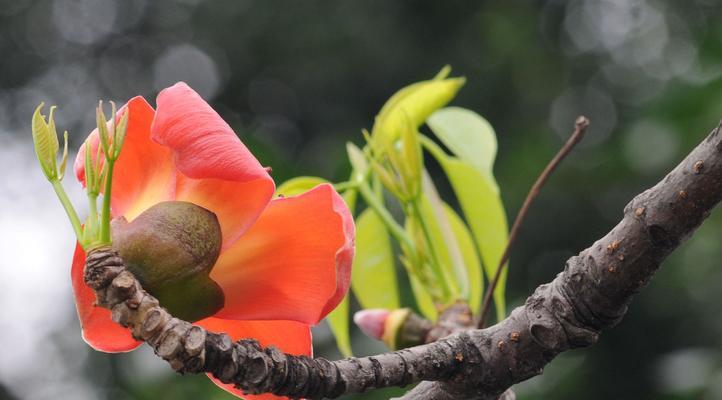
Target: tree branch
{"points": [[591, 294]]}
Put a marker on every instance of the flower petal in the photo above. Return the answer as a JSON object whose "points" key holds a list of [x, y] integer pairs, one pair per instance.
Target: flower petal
{"points": [[294, 263], [288, 336], [216, 170], [144, 173], [99, 331]]}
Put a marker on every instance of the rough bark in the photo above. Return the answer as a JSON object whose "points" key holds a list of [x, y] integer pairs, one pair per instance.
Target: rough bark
{"points": [[591, 294]]}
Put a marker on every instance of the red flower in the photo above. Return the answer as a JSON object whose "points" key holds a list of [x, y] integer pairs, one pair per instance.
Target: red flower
{"points": [[285, 262]]}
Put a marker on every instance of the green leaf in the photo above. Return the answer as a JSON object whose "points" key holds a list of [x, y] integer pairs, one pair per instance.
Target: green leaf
{"points": [[471, 259], [469, 136], [54, 145], [102, 123], [46, 147], [338, 321], [120, 131], [298, 185], [418, 101], [484, 211], [450, 235], [358, 161], [445, 243], [373, 274], [423, 299], [64, 158]]}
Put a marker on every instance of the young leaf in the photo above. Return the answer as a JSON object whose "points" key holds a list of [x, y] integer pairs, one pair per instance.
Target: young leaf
{"points": [[423, 299], [358, 161], [468, 135], [484, 212], [298, 185], [120, 132], [373, 275], [338, 321], [471, 258], [64, 158], [103, 133], [454, 264], [449, 234], [46, 147], [54, 145], [418, 101]]}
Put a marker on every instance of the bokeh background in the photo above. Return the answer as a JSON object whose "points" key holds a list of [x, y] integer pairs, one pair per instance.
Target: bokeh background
{"points": [[297, 79]]}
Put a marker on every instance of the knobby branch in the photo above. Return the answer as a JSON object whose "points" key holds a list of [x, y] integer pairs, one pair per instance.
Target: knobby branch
{"points": [[591, 294]]}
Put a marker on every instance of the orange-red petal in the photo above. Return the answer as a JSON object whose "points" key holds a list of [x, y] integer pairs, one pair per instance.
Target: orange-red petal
{"points": [[144, 173], [99, 331], [288, 336], [294, 263], [216, 170]]}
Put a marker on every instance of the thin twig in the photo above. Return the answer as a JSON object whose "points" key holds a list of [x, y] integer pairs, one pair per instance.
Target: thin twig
{"points": [[580, 126]]}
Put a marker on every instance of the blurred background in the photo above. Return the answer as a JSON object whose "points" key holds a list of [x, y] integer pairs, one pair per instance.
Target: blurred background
{"points": [[297, 79]]}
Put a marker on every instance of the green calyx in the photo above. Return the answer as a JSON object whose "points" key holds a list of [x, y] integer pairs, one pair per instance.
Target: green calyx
{"points": [[171, 249]]}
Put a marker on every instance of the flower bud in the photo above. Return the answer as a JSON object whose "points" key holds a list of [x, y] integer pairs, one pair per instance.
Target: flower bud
{"points": [[371, 322], [171, 249], [398, 329]]}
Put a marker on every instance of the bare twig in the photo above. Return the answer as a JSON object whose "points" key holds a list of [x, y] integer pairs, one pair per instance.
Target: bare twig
{"points": [[580, 126], [591, 294]]}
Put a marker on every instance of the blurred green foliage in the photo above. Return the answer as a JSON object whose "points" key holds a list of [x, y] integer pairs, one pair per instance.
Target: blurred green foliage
{"points": [[299, 79]]}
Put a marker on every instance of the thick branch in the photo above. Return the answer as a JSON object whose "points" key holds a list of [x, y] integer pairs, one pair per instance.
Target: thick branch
{"points": [[591, 294]]}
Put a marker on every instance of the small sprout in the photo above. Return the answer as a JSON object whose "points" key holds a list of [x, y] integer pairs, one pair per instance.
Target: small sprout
{"points": [[639, 211], [682, 194]]}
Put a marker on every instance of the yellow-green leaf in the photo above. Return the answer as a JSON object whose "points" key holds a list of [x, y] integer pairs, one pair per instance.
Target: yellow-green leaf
{"points": [[453, 264], [469, 136], [64, 158], [373, 274], [418, 101], [299, 185], [471, 258], [484, 211], [45, 143], [339, 324], [423, 299], [449, 235]]}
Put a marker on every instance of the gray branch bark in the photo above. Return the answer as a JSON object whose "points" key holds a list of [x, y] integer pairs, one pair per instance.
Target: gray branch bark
{"points": [[590, 295]]}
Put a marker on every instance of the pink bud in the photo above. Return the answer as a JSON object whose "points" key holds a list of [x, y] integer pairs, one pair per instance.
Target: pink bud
{"points": [[372, 321]]}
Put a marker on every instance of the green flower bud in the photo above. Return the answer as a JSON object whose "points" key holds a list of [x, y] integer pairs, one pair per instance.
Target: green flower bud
{"points": [[171, 249]]}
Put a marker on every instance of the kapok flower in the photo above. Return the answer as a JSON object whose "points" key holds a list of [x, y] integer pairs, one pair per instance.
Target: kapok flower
{"points": [[285, 262]]}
